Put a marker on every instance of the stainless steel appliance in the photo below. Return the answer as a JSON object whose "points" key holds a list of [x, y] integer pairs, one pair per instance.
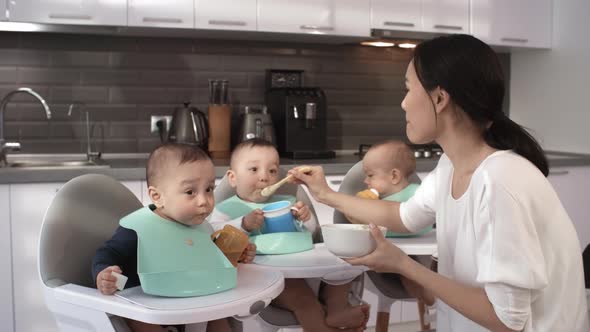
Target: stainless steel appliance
{"points": [[300, 120], [257, 123], [189, 125]]}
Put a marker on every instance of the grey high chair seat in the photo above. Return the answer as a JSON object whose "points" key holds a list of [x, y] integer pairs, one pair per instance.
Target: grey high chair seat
{"points": [[85, 213], [273, 318], [387, 286]]}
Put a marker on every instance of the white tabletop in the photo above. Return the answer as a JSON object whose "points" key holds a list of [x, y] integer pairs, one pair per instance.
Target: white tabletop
{"points": [[315, 263], [424, 245], [254, 286], [321, 263]]}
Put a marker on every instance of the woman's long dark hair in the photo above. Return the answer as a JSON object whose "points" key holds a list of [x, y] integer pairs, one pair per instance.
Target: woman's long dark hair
{"points": [[469, 70]]}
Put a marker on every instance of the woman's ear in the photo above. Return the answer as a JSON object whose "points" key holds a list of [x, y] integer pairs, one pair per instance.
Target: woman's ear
{"points": [[231, 178], [442, 99], [156, 197]]}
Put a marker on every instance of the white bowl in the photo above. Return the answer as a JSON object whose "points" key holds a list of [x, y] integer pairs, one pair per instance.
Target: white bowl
{"points": [[349, 240]]}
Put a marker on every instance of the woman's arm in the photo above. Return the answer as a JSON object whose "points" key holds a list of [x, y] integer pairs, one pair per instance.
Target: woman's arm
{"points": [[471, 302], [383, 213]]}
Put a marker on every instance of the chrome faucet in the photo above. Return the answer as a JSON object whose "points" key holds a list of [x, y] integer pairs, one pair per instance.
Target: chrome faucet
{"points": [[15, 146], [90, 156]]}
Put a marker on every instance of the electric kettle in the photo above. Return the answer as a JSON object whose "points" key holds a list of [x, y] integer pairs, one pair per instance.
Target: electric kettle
{"points": [[257, 123], [189, 125]]}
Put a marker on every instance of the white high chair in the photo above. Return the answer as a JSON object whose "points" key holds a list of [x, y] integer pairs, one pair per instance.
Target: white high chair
{"points": [[84, 213], [271, 319], [387, 286]]}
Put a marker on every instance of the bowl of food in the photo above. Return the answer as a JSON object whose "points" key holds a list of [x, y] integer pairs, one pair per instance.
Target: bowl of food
{"points": [[349, 240]]}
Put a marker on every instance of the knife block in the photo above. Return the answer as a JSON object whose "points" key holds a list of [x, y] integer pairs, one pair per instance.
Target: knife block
{"points": [[219, 130]]}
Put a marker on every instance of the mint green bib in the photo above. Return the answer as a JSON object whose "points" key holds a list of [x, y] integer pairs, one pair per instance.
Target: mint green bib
{"points": [[403, 196], [177, 260], [268, 244]]}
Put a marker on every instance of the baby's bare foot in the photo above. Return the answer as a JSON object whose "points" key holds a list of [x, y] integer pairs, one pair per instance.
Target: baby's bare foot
{"points": [[348, 317]]}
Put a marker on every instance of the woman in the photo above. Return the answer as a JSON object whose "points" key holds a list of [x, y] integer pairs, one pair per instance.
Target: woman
{"points": [[508, 255]]}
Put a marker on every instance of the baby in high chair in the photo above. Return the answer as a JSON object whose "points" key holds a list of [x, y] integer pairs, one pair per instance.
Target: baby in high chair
{"points": [[387, 166], [181, 181], [254, 165]]}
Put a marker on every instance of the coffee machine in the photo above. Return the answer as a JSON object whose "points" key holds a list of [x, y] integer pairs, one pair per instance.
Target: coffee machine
{"points": [[299, 115]]}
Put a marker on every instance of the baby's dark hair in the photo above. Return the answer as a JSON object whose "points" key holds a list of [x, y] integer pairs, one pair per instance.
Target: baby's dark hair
{"points": [[249, 144], [399, 156], [166, 153]]}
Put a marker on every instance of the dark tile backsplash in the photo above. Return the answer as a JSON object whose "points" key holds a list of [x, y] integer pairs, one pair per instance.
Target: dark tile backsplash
{"points": [[124, 80]]}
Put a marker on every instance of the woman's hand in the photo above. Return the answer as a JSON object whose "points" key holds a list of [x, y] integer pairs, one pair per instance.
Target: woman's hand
{"points": [[301, 211], [385, 258], [314, 179]]}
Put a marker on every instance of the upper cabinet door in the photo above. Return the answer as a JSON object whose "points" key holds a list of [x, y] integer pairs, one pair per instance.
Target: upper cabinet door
{"points": [[333, 17], [3, 8], [522, 23], [165, 14], [84, 12], [396, 15], [225, 14], [445, 16]]}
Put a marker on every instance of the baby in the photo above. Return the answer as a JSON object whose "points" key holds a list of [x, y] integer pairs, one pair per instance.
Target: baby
{"points": [[254, 165], [181, 180], [387, 168]]}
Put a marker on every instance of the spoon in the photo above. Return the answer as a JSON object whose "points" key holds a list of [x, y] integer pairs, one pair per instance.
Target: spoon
{"points": [[268, 191]]}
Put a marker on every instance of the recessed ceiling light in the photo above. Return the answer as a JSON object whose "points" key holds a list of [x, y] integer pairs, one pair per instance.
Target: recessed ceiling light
{"points": [[378, 43]]}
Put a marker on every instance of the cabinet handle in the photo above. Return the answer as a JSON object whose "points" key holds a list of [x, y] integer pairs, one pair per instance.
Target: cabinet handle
{"points": [[336, 182], [316, 27], [448, 27], [515, 40], [224, 22], [399, 24], [559, 172], [162, 20], [70, 17]]}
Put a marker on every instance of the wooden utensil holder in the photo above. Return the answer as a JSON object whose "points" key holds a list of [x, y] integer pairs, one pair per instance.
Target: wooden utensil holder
{"points": [[219, 130]]}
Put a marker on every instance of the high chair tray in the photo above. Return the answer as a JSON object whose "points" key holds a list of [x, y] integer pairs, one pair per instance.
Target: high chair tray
{"points": [[315, 263], [255, 289], [423, 245]]}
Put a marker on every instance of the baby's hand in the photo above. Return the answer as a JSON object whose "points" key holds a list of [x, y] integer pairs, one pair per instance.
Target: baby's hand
{"points": [[253, 221], [248, 254], [106, 283], [302, 213]]}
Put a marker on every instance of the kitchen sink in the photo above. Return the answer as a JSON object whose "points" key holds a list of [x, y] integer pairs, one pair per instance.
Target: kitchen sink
{"points": [[53, 162]]}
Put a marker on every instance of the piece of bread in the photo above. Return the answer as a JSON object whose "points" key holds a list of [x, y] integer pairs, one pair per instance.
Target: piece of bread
{"points": [[368, 194]]}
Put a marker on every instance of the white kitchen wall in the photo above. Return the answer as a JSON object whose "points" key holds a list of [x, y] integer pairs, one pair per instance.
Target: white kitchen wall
{"points": [[549, 88]]}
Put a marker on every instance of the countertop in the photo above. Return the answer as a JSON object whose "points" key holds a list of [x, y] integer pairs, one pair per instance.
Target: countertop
{"points": [[131, 167]]}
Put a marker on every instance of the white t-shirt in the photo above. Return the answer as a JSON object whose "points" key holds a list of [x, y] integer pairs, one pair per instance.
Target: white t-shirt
{"points": [[509, 234]]}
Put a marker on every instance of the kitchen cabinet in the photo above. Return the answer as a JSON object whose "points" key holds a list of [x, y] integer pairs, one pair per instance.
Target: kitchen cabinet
{"points": [[155, 13], [6, 314], [79, 12], [396, 15], [225, 14], [3, 9], [440, 16], [332, 17], [571, 185], [522, 23], [28, 203], [445, 16]]}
